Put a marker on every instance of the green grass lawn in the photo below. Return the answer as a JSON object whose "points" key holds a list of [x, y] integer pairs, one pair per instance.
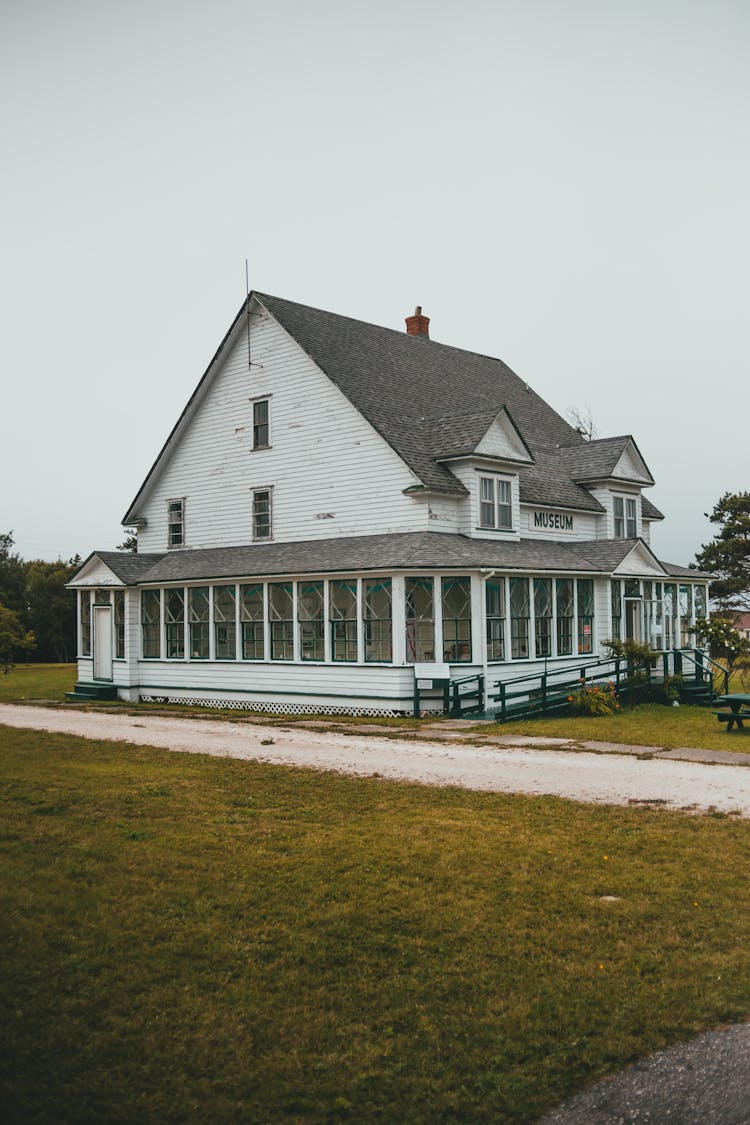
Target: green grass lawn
{"points": [[650, 724], [192, 939], [36, 681]]}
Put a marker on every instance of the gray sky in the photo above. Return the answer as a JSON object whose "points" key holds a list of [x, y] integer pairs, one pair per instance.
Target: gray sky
{"points": [[560, 183]]}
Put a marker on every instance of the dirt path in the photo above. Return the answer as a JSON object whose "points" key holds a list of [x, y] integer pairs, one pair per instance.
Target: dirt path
{"points": [[582, 776]]}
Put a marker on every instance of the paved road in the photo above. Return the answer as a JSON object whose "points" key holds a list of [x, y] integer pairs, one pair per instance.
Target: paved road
{"points": [[704, 1082], [612, 778]]}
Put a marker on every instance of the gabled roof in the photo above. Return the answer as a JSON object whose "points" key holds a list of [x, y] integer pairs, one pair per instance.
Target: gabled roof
{"points": [[410, 387], [127, 566], [600, 458], [430, 402]]}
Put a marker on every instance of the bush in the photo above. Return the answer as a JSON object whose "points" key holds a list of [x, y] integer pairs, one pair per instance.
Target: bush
{"points": [[591, 699]]}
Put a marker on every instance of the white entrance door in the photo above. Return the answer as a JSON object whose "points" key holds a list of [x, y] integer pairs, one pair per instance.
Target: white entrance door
{"points": [[102, 642]]}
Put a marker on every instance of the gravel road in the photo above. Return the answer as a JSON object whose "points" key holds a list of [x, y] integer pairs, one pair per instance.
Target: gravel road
{"points": [[582, 776]]}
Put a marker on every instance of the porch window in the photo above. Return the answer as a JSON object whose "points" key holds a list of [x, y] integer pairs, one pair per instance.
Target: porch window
{"points": [[564, 595], [151, 624], [670, 614], [585, 615], [420, 620], [251, 621], [262, 513], [686, 611], [616, 609], [456, 620], [699, 593], [175, 523], [519, 618], [343, 614], [260, 424], [652, 617], [174, 617], [494, 610], [119, 598], [281, 620], [495, 503], [543, 617], [310, 620], [85, 600], [198, 621], [377, 615], [225, 627]]}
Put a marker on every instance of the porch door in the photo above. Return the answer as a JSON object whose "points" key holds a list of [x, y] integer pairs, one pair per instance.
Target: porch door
{"points": [[632, 620], [102, 642]]}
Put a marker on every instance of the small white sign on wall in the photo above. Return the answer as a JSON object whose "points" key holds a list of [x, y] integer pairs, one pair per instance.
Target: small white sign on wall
{"points": [[432, 672]]}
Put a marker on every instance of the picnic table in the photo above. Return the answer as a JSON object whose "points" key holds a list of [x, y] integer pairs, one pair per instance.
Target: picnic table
{"points": [[739, 709]]}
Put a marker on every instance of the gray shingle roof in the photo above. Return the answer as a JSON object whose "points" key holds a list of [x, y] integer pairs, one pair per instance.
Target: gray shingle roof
{"points": [[685, 571], [128, 566], [596, 460], [405, 385], [650, 511], [405, 551]]}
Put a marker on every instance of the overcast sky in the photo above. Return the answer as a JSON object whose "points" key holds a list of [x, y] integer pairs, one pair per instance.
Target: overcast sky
{"points": [[564, 184]]}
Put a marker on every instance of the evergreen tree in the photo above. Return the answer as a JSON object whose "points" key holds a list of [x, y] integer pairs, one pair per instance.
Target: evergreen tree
{"points": [[728, 556]]}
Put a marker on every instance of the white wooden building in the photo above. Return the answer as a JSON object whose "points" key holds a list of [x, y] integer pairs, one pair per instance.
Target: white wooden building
{"points": [[339, 503]]}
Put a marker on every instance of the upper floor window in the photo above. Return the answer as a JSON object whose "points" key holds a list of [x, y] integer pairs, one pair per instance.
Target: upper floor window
{"points": [[626, 526], [262, 513], [495, 503], [261, 429], [175, 523]]}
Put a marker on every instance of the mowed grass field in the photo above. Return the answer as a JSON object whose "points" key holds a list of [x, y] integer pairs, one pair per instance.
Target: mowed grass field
{"points": [[192, 939]]}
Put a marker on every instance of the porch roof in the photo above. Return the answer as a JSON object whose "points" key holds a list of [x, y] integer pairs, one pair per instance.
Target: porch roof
{"points": [[418, 550]]}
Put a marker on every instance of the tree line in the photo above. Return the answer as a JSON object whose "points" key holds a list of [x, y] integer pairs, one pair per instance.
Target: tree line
{"points": [[37, 613]]}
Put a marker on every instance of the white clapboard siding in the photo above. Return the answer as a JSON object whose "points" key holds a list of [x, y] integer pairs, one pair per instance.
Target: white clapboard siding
{"points": [[331, 472]]}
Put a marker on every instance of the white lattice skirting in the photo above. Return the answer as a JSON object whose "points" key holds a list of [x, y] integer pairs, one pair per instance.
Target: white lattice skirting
{"points": [[275, 708]]}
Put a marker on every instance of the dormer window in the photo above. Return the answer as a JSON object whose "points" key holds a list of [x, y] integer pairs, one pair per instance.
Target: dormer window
{"points": [[175, 523], [626, 526], [495, 504]]}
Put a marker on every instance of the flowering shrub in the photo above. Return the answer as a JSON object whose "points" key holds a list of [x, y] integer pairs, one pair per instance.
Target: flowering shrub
{"points": [[594, 700]]}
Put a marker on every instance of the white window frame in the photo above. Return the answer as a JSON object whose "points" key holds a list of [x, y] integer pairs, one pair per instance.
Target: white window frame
{"points": [[170, 522], [255, 492], [627, 518], [255, 402], [498, 485]]}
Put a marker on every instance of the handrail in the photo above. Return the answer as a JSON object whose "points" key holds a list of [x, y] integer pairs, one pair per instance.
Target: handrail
{"points": [[700, 659]]}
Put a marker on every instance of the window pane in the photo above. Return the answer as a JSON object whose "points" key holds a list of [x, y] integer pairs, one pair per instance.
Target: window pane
{"points": [[120, 624], [585, 615], [281, 621], [151, 624], [342, 596], [174, 616], [618, 507], [564, 596], [198, 621], [262, 514], [631, 519], [260, 424], [495, 618], [519, 618], [543, 616], [376, 613], [85, 596], [225, 628], [504, 508], [616, 594], [420, 622], [310, 618], [456, 620], [251, 621], [175, 523], [486, 502]]}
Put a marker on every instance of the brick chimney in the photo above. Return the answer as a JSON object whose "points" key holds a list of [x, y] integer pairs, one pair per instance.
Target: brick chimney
{"points": [[418, 325]]}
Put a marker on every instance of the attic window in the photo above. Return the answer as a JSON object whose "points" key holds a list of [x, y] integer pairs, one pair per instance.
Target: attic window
{"points": [[261, 424], [175, 523]]}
